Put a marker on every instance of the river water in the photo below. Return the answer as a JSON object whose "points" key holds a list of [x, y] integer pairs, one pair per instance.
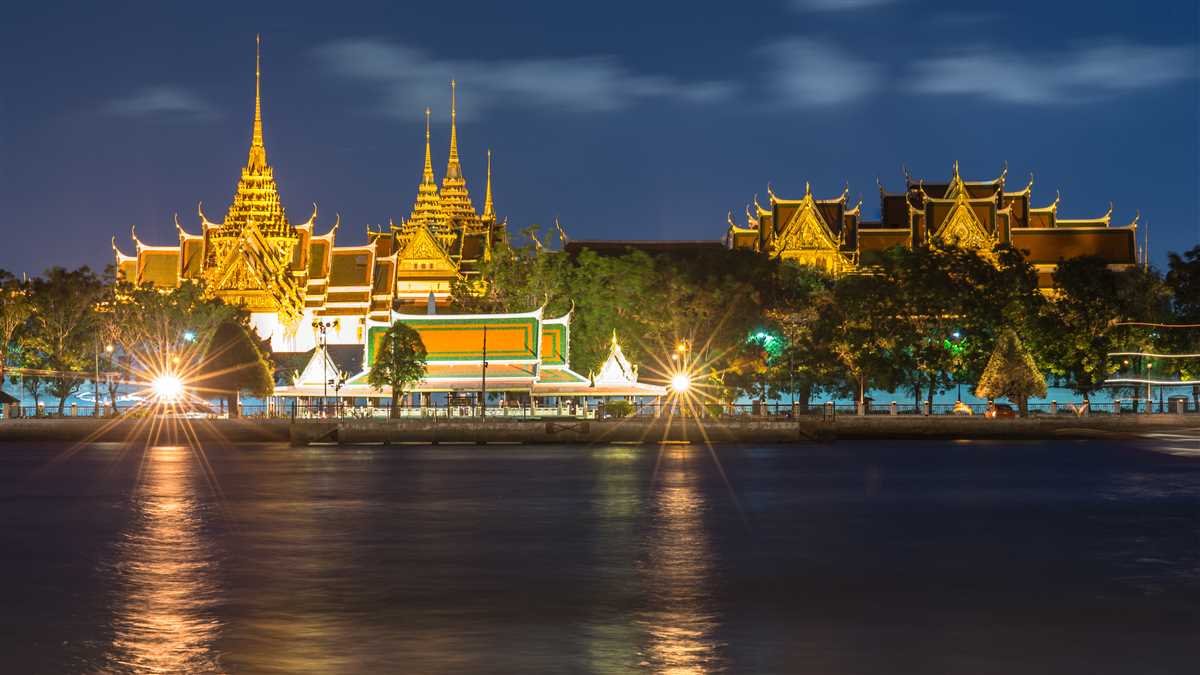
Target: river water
{"points": [[905, 557]]}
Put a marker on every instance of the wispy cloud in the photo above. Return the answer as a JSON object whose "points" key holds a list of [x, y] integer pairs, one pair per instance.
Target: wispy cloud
{"points": [[410, 78], [1083, 74], [161, 100], [809, 72], [835, 5]]}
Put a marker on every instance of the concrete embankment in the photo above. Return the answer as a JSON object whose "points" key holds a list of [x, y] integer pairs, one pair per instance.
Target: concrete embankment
{"points": [[636, 430], [141, 430]]}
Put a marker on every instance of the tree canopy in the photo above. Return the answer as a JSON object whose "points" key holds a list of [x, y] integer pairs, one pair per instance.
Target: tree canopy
{"points": [[1011, 373], [399, 361]]}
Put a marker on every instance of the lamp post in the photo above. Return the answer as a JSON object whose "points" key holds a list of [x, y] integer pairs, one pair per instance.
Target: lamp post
{"points": [[96, 384], [483, 378], [322, 327]]}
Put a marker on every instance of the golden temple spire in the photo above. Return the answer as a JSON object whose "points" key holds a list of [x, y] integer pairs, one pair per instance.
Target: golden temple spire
{"points": [[427, 174], [427, 209], [453, 168], [489, 211], [258, 151], [455, 198]]}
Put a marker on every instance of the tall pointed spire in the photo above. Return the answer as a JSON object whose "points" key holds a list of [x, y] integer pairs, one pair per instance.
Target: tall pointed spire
{"points": [[427, 174], [453, 168], [489, 210], [427, 209], [258, 151], [257, 196], [456, 200]]}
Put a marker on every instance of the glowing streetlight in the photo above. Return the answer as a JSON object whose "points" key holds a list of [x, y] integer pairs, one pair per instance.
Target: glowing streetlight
{"points": [[681, 382], [189, 336], [167, 388]]}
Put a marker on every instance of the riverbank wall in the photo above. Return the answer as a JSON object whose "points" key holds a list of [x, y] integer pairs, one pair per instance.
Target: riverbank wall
{"points": [[560, 431]]}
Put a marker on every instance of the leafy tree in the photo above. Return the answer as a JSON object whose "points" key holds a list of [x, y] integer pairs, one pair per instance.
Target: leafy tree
{"points": [[62, 326], [1183, 278], [860, 325], [1074, 334], [235, 362], [1011, 373], [15, 309], [399, 362]]}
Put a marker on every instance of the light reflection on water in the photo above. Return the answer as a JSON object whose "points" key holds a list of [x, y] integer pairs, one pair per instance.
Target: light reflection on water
{"points": [[165, 573], [680, 622], [609, 559]]}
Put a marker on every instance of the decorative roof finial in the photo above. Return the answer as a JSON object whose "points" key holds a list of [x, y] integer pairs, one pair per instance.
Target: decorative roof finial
{"points": [[489, 211]]}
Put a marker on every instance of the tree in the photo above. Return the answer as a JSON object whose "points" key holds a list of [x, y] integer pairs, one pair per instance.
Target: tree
{"points": [[15, 309], [399, 362], [1011, 373], [1074, 330], [1183, 278], [235, 362], [860, 325], [62, 326]]}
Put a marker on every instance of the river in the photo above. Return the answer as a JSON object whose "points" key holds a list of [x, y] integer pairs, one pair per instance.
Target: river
{"points": [[905, 557]]}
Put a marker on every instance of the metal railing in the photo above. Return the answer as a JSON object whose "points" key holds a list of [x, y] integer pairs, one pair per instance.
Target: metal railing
{"points": [[770, 410]]}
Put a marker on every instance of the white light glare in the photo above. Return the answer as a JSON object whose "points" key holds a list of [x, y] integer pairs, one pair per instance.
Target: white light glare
{"points": [[167, 387], [681, 383]]}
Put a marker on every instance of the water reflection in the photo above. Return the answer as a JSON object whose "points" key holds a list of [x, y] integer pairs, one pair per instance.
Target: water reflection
{"points": [[165, 571], [680, 623]]}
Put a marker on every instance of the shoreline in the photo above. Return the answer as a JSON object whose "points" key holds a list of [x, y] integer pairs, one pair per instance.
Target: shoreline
{"points": [[570, 431]]}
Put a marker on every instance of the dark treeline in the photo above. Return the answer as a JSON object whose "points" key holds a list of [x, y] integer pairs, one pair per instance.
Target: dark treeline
{"points": [[63, 328], [921, 321]]}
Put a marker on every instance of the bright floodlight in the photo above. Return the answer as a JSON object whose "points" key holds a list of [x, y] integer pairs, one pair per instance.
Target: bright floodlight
{"points": [[167, 387], [681, 383]]}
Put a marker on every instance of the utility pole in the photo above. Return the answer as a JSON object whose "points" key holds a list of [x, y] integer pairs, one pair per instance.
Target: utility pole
{"points": [[483, 399], [96, 382]]}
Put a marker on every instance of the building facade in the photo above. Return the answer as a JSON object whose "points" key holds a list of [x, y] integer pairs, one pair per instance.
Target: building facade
{"points": [[831, 235], [521, 359], [290, 277]]}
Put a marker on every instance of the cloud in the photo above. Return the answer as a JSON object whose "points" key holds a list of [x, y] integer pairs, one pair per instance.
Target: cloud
{"points": [[809, 72], [1084, 74], [836, 5], [161, 101], [411, 78]]}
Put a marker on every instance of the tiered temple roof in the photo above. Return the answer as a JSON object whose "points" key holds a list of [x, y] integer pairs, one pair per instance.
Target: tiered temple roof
{"points": [[974, 214]]}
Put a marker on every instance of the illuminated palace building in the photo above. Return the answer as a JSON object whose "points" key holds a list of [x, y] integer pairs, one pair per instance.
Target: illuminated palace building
{"points": [[289, 276], [831, 235], [324, 307]]}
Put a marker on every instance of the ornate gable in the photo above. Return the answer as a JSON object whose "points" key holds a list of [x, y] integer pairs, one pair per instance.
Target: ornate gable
{"points": [[423, 252], [807, 239], [962, 227], [254, 270]]}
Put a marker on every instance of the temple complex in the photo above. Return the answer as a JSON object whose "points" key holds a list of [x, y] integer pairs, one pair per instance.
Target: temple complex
{"points": [[830, 234], [290, 277]]}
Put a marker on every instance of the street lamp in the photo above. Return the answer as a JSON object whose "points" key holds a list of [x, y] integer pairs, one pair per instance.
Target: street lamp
{"points": [[322, 327]]}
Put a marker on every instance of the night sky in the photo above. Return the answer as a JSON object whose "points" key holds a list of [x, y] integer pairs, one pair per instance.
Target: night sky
{"points": [[623, 119]]}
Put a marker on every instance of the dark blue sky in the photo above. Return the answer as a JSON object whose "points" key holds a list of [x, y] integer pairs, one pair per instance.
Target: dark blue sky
{"points": [[623, 119]]}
